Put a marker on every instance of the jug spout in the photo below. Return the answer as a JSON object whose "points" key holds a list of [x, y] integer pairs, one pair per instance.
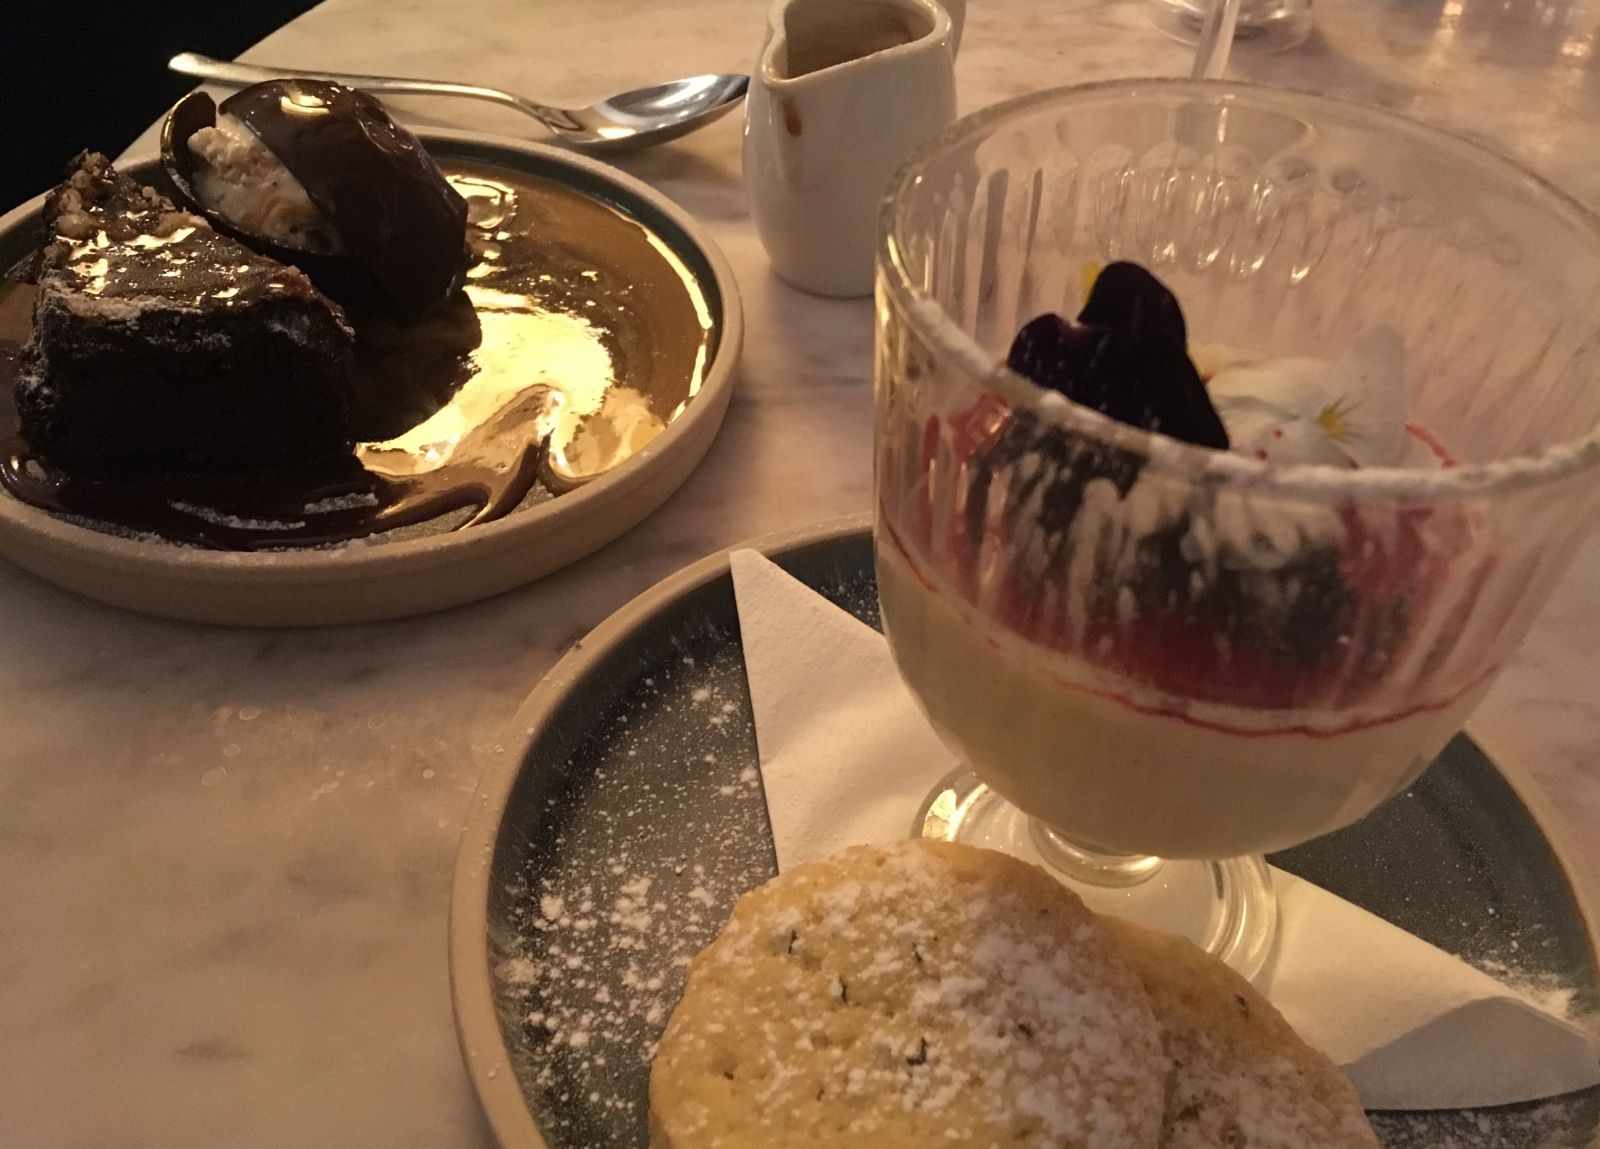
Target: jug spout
{"points": [[808, 37], [842, 93]]}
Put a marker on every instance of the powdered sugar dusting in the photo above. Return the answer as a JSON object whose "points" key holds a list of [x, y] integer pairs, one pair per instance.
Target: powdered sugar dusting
{"points": [[639, 873], [924, 992], [1561, 1123]]}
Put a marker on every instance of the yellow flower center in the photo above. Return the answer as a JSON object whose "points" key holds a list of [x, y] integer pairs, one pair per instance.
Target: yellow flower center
{"points": [[1335, 423]]}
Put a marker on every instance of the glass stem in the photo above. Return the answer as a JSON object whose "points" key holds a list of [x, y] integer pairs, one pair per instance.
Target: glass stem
{"points": [[1216, 40], [1087, 864]]}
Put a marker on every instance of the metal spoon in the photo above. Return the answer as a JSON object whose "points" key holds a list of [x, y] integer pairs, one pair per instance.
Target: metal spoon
{"points": [[633, 119]]}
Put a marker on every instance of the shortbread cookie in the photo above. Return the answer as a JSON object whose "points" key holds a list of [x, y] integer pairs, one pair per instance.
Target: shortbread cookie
{"points": [[1242, 1078], [912, 994]]}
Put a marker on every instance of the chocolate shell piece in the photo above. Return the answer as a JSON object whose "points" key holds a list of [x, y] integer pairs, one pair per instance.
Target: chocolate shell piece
{"points": [[339, 276], [394, 214], [195, 111]]}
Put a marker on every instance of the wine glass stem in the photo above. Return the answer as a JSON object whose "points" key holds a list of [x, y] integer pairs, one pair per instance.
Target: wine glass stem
{"points": [[1216, 40]]}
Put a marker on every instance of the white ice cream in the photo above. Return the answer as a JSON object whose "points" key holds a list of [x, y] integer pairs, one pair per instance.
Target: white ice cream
{"points": [[244, 182]]}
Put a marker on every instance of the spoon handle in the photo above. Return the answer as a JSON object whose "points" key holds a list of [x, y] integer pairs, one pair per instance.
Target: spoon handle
{"points": [[231, 74]]}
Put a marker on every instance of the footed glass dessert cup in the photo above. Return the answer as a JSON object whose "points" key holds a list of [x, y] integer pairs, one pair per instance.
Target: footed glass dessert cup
{"points": [[1158, 661]]}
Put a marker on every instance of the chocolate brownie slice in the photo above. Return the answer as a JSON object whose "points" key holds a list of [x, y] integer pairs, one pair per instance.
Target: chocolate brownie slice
{"points": [[162, 346]]}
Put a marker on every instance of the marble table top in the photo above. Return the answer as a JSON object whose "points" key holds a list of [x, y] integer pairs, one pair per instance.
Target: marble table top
{"points": [[227, 854]]}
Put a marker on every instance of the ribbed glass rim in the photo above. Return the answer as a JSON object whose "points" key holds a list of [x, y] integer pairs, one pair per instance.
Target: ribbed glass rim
{"points": [[946, 336]]}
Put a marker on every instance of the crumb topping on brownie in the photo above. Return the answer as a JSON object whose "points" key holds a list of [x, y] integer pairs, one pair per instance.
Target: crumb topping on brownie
{"points": [[120, 250]]}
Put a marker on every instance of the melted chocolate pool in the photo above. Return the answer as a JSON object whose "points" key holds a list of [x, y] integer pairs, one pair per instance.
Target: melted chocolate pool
{"points": [[578, 337]]}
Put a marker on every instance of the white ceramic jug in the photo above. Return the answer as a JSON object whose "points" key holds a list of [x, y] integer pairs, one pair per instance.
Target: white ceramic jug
{"points": [[843, 92]]}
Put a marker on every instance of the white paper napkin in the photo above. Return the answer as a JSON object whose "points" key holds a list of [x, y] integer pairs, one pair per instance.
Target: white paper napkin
{"points": [[846, 756]]}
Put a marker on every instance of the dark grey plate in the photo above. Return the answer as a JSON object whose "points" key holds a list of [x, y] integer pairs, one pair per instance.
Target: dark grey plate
{"points": [[610, 848]]}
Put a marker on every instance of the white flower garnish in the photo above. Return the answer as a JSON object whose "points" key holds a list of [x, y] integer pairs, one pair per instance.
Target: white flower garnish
{"points": [[1350, 412]]}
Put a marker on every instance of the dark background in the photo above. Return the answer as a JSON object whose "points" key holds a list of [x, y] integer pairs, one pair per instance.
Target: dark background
{"points": [[94, 75]]}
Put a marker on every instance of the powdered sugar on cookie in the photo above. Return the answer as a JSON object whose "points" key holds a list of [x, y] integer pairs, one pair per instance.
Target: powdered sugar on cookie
{"points": [[910, 994]]}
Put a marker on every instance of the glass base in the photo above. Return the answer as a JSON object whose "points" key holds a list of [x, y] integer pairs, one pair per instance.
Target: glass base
{"points": [[1226, 908], [1264, 25]]}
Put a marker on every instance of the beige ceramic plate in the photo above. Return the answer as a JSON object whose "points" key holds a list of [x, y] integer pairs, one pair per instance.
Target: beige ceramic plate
{"points": [[399, 578]]}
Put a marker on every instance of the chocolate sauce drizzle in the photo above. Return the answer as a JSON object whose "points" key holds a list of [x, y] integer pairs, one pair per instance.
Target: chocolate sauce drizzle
{"points": [[578, 336]]}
